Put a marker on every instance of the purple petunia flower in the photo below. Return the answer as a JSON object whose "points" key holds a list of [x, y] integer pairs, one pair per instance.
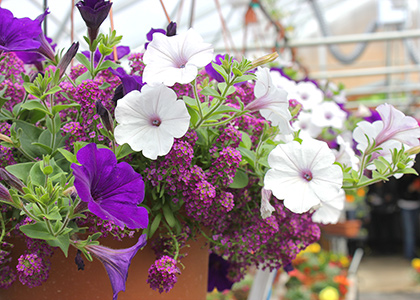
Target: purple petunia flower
{"points": [[129, 82], [93, 12], [212, 72], [112, 191], [116, 262], [18, 34], [34, 58], [218, 271], [45, 47]]}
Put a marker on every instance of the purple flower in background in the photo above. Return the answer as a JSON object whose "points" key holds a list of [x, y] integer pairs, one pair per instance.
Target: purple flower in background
{"points": [[116, 262], [121, 52], [93, 12], [149, 35], [129, 82], [212, 72], [112, 191], [170, 31], [218, 271], [18, 34]]}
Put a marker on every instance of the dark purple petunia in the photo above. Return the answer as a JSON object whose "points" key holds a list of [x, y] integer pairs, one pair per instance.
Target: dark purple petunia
{"points": [[218, 271], [34, 58], [150, 34], [111, 190], [212, 72], [45, 48], [18, 34], [121, 52], [374, 116], [116, 262], [128, 83], [94, 13]]}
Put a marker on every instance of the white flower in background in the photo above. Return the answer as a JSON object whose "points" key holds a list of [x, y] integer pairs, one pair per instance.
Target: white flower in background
{"points": [[330, 210], [271, 101], [306, 127], [363, 111], [266, 208], [397, 126], [345, 155], [282, 82], [150, 120], [303, 175], [328, 114], [333, 92], [309, 94], [176, 58]]}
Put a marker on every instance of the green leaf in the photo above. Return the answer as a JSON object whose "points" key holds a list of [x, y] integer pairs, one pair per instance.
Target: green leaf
{"points": [[21, 171], [30, 134], [123, 151], [169, 216], [155, 225], [52, 91], [54, 214], [190, 102], [38, 230], [84, 76], [68, 155], [194, 115], [35, 105], [248, 155], [244, 78], [58, 108], [83, 60], [62, 241], [107, 64], [220, 70], [246, 140], [240, 180], [208, 91]]}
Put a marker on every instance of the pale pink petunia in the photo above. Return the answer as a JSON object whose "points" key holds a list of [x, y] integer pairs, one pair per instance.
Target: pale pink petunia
{"points": [[271, 101], [149, 120], [397, 126], [266, 208], [176, 58], [303, 175]]}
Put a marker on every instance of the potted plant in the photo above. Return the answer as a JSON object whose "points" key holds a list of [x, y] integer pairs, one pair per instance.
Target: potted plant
{"points": [[168, 153]]}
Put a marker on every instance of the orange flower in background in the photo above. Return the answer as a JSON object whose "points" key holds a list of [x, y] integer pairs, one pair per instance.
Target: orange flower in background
{"points": [[415, 263], [342, 280], [361, 192], [350, 198]]}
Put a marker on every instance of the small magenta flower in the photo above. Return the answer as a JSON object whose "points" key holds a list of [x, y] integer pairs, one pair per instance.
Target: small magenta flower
{"points": [[18, 34], [163, 274], [116, 262], [112, 191], [93, 12], [303, 175]]}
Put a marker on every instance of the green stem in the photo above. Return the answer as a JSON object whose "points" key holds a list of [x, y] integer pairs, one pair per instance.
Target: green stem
{"points": [[3, 228], [92, 65], [197, 99], [71, 81]]}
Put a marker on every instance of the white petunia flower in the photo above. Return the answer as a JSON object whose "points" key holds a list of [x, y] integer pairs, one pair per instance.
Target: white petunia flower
{"points": [[150, 120], [309, 94], [307, 128], [271, 101], [345, 155], [328, 114], [330, 210], [303, 174], [266, 208], [176, 58]]}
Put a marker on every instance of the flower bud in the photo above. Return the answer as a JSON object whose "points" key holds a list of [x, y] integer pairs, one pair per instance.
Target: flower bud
{"points": [[264, 59], [66, 59], [12, 180], [93, 13], [105, 116], [5, 138], [171, 29], [413, 150], [4, 194]]}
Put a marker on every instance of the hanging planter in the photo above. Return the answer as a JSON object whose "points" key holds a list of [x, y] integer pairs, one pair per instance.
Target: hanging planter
{"points": [[65, 282], [348, 228]]}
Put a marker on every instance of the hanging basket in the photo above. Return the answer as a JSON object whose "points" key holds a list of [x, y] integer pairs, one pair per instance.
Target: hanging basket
{"points": [[65, 282]]}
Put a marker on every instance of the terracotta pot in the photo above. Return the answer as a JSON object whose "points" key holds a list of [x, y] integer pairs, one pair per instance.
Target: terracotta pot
{"points": [[349, 228], [67, 283]]}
